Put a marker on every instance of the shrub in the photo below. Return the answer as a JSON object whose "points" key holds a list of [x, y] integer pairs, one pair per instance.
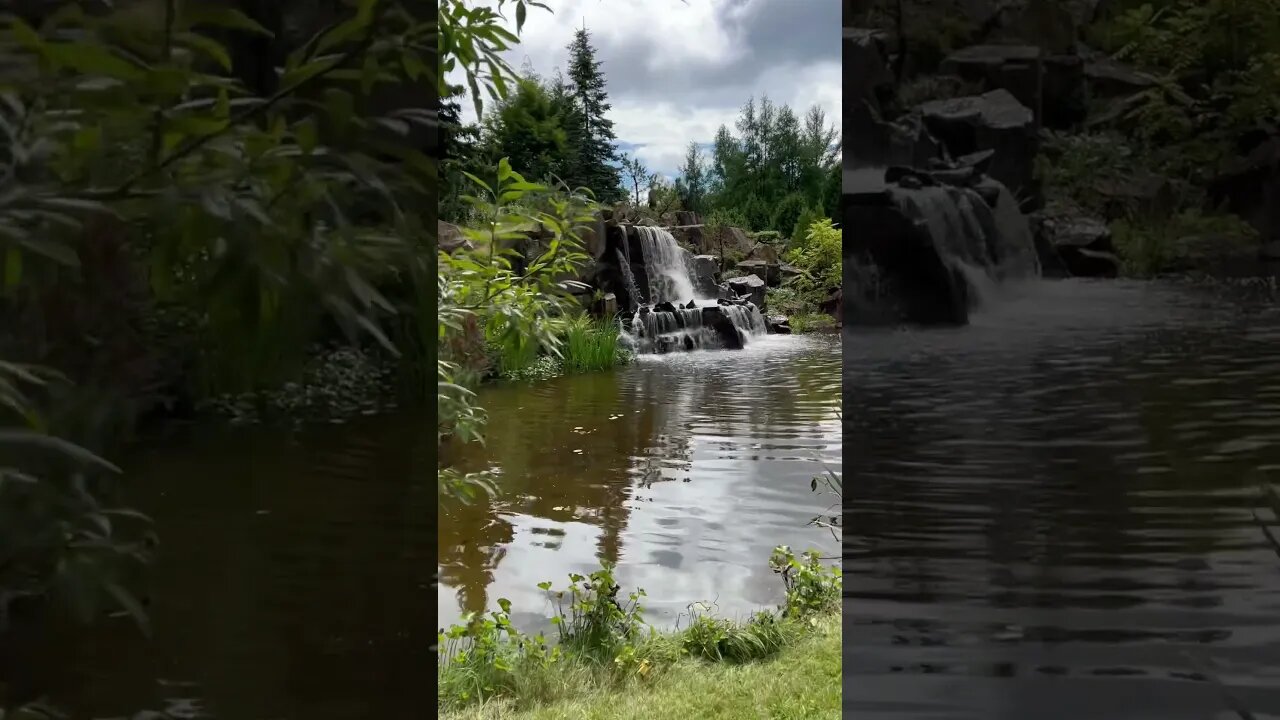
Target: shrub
{"points": [[1149, 246], [811, 587]]}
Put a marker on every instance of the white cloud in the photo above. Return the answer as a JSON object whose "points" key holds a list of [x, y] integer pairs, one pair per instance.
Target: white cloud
{"points": [[677, 70]]}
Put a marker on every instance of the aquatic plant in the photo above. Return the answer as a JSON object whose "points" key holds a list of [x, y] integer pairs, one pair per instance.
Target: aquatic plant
{"points": [[590, 345]]}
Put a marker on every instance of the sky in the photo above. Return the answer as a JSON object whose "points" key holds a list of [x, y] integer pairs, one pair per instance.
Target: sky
{"points": [[677, 70]]}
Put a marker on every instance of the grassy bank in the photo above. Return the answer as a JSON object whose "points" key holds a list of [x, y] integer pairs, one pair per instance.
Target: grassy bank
{"points": [[801, 681], [609, 663]]}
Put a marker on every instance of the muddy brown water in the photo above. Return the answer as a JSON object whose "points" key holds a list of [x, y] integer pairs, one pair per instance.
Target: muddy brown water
{"points": [[1051, 513], [294, 573]]}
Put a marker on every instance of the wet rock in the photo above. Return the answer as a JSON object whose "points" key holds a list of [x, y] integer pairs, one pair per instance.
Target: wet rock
{"points": [[751, 287], [715, 319], [664, 307], [693, 304], [1064, 100], [705, 270], [770, 271], [778, 324], [993, 121], [686, 217], [789, 271], [606, 306], [1080, 243], [894, 269]]}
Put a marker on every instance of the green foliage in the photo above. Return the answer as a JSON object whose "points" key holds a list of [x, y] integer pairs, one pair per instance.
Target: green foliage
{"points": [[590, 346], [1078, 167], [723, 640], [589, 126], [473, 39], [483, 289], [528, 128], [636, 176], [775, 166], [818, 255], [606, 640], [1217, 73], [811, 587], [800, 231], [1152, 245]]}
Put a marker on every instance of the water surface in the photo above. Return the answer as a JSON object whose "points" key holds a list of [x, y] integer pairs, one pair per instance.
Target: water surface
{"points": [[685, 469], [1051, 513]]}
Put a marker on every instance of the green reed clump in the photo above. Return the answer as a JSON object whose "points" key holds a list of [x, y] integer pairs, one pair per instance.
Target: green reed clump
{"points": [[723, 640], [590, 345]]}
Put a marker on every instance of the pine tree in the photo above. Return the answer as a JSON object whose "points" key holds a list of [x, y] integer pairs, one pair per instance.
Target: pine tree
{"points": [[591, 134]]}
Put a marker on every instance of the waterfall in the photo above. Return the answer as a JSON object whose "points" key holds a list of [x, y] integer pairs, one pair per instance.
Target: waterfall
{"points": [[986, 247], [667, 265], [696, 328]]}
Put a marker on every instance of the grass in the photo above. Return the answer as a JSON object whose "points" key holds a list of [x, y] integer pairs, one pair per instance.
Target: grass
{"points": [[607, 660], [801, 681], [586, 345]]}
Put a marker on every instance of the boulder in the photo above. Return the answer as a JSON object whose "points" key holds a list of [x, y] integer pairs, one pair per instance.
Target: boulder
{"points": [[789, 271], [1081, 243], [751, 287], [770, 271], [606, 306], [1107, 79], [705, 270], [993, 121], [1048, 24], [450, 237], [778, 324], [687, 217]]}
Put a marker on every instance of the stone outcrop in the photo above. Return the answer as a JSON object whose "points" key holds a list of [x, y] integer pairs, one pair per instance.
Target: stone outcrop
{"points": [[771, 272], [751, 287], [993, 121], [1080, 245], [706, 268]]}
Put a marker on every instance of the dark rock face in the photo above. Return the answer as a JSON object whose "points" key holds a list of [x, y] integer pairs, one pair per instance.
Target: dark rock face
{"points": [[1250, 187], [705, 270], [910, 280], [993, 121], [778, 324], [866, 67], [750, 287], [714, 317]]}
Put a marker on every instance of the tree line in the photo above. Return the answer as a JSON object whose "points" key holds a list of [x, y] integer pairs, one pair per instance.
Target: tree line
{"points": [[777, 171]]}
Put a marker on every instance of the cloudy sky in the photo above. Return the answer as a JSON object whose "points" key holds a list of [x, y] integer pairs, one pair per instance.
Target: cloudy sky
{"points": [[677, 70]]}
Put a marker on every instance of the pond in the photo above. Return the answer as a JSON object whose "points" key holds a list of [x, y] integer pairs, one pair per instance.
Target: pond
{"points": [[295, 568], [1052, 511], [685, 469]]}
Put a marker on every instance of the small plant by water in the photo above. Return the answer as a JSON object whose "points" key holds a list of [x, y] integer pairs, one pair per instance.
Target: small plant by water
{"points": [[604, 641]]}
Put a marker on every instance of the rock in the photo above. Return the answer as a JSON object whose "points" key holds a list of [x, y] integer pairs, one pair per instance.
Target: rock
{"points": [[1081, 243], [450, 237], [751, 287], [778, 324], [705, 270], [686, 217], [893, 267], [1015, 68], [789, 271], [765, 252], [1144, 194], [1250, 188], [692, 305], [606, 306], [1048, 24], [665, 307], [714, 318], [689, 236], [866, 68], [993, 121], [770, 271]]}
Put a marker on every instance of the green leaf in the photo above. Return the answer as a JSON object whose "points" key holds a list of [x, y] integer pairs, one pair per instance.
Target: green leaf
{"points": [[211, 48], [91, 60], [344, 33], [12, 267], [223, 17]]}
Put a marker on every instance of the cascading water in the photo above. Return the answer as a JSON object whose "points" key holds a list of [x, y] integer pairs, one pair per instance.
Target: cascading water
{"points": [[667, 265], [629, 279], [679, 318], [987, 247]]}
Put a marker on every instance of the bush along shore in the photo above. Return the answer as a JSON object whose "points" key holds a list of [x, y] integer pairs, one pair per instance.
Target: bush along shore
{"points": [[607, 662]]}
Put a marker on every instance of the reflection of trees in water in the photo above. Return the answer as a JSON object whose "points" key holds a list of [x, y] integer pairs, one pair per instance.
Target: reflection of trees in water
{"points": [[633, 428]]}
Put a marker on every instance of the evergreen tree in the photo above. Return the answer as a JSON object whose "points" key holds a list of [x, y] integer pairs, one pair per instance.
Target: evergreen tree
{"points": [[591, 133]]}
